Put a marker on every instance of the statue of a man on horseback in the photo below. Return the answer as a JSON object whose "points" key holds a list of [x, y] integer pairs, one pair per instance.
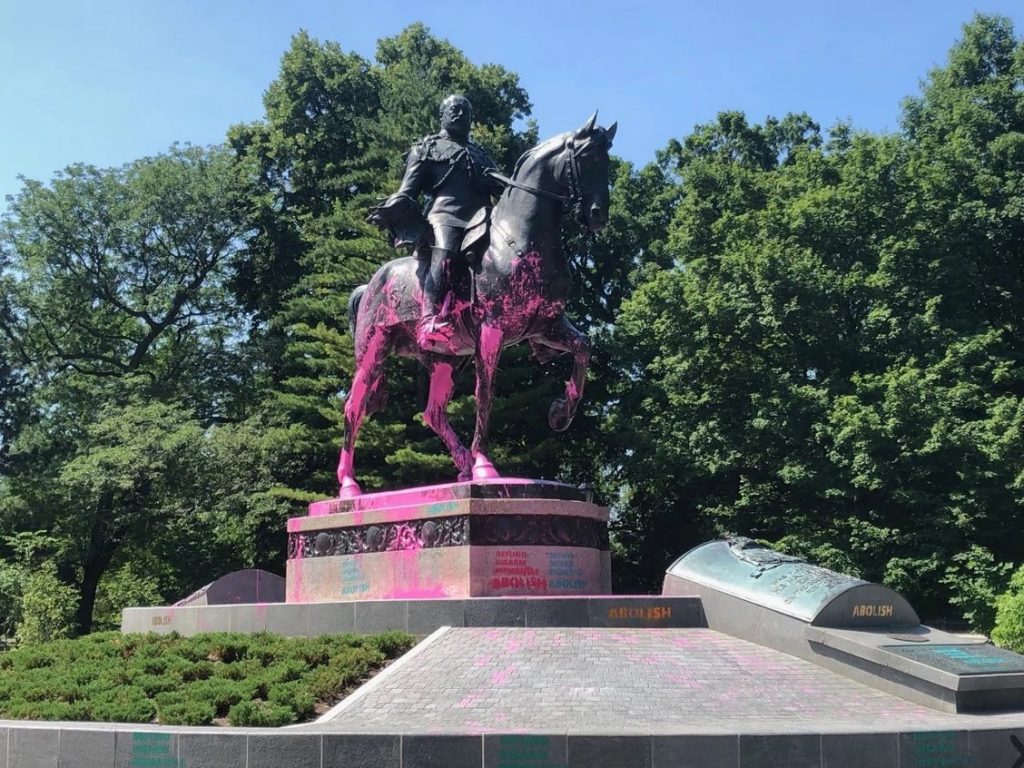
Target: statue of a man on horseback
{"points": [[452, 173], [515, 291]]}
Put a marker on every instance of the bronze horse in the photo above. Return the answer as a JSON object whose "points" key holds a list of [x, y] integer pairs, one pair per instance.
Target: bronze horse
{"points": [[515, 292]]}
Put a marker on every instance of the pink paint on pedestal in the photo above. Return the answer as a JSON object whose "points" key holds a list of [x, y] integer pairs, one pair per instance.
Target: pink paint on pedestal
{"points": [[413, 496], [445, 542]]}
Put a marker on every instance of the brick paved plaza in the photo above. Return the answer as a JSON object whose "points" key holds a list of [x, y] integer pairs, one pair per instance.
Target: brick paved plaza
{"points": [[621, 681]]}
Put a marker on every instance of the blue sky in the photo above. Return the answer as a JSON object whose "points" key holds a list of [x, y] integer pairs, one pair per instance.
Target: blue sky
{"points": [[108, 82]]}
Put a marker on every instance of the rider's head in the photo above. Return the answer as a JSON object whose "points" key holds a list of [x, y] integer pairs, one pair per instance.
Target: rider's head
{"points": [[456, 116]]}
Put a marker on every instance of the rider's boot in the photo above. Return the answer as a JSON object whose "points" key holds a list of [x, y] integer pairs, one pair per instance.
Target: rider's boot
{"points": [[433, 331]]}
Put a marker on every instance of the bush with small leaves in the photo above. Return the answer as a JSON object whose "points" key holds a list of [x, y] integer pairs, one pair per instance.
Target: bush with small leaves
{"points": [[260, 714], [263, 679], [1009, 629]]}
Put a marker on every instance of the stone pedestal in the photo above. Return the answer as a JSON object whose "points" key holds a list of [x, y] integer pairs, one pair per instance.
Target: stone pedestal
{"points": [[478, 539]]}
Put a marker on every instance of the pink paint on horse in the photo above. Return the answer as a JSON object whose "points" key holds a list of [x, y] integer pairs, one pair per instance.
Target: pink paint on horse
{"points": [[517, 292]]}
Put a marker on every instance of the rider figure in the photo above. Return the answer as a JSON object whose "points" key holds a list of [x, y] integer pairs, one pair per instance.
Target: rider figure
{"points": [[452, 173]]}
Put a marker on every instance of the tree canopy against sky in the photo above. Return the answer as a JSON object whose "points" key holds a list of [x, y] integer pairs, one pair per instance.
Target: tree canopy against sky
{"points": [[810, 336]]}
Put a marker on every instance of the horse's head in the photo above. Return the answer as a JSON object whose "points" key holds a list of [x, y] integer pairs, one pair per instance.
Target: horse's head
{"points": [[586, 171]]}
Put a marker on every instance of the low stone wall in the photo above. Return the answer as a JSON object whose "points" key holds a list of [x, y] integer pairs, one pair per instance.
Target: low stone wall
{"points": [[63, 745], [418, 617]]}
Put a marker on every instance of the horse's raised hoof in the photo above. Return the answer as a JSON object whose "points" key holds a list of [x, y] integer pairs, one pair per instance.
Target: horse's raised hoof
{"points": [[483, 469], [559, 415], [349, 488]]}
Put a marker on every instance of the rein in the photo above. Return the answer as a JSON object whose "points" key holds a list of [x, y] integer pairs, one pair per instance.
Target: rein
{"points": [[529, 188], [572, 171]]}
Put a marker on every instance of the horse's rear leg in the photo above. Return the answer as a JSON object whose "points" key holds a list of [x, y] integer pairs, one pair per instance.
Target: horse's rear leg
{"points": [[442, 385], [366, 396], [563, 336], [488, 352]]}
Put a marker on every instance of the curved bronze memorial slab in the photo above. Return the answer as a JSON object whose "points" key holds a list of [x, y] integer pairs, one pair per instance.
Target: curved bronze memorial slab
{"points": [[863, 631], [791, 586]]}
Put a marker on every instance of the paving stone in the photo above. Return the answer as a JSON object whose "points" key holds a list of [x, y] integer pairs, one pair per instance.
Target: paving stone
{"points": [[362, 751], [620, 751], [606, 681], [859, 750], [771, 751], [203, 749], [280, 750], [442, 751], [86, 748], [711, 751], [146, 749]]}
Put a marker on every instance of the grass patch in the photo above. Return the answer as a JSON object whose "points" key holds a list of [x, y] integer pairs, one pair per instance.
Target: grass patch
{"points": [[217, 678]]}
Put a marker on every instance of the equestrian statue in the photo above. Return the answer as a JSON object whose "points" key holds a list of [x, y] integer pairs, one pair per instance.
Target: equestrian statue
{"points": [[480, 279]]}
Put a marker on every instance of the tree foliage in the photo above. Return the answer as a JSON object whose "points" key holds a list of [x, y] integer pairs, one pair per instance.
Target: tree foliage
{"points": [[834, 363], [813, 337]]}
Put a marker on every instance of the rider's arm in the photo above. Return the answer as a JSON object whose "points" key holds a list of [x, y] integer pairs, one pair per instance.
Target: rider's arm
{"points": [[415, 178]]}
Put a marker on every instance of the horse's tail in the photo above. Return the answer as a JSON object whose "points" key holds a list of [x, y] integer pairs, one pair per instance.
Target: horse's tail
{"points": [[353, 307]]}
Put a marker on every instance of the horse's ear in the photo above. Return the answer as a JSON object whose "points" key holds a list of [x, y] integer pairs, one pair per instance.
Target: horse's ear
{"points": [[588, 126], [610, 131]]}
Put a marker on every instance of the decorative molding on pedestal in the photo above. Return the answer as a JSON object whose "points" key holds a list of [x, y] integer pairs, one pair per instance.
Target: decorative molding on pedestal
{"points": [[455, 531]]}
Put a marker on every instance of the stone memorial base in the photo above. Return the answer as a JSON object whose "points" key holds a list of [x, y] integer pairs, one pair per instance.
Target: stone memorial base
{"points": [[504, 537]]}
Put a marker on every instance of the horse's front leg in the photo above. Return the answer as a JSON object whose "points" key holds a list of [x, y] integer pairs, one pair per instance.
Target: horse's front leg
{"points": [[563, 336], [366, 396], [488, 352], [442, 385]]}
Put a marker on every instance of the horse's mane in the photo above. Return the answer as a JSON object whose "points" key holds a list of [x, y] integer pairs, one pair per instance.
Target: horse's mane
{"points": [[545, 148]]}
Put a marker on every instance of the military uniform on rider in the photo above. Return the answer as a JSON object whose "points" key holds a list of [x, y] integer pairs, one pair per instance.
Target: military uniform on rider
{"points": [[451, 172]]}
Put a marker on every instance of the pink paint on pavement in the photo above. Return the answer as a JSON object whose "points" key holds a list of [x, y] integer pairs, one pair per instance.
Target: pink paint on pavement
{"points": [[503, 676], [469, 700]]}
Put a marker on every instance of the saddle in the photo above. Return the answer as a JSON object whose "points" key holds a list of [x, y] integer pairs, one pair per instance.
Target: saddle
{"points": [[477, 236]]}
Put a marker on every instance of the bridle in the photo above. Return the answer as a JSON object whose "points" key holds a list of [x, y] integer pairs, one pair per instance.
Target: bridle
{"points": [[570, 170]]}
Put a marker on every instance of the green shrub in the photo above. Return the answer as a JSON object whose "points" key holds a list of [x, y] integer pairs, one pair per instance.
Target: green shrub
{"points": [[262, 679], [975, 580], [295, 697], [1009, 629], [220, 693], [47, 607], [260, 714], [123, 708], [229, 647], [151, 685], [186, 712], [391, 644]]}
